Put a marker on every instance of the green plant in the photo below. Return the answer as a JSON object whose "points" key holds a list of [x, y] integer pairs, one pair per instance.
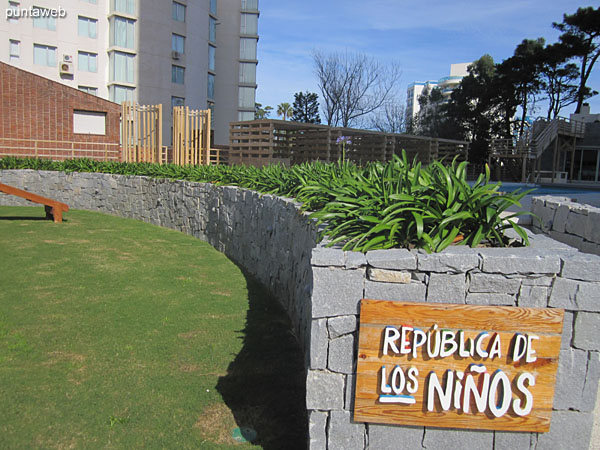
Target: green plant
{"points": [[402, 204], [379, 205]]}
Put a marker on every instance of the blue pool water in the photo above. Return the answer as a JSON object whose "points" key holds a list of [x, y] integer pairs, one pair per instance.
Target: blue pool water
{"points": [[580, 195]]}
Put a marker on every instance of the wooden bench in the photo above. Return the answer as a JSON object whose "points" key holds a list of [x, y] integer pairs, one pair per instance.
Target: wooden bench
{"points": [[54, 209]]}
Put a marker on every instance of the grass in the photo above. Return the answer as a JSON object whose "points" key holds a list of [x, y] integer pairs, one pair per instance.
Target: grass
{"points": [[119, 334]]}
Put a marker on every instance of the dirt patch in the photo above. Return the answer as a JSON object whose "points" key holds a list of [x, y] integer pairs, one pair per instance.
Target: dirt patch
{"points": [[191, 334], [63, 356], [216, 424], [221, 293]]}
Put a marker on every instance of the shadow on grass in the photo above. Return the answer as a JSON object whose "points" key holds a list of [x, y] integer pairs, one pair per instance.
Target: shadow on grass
{"points": [[25, 218], [265, 384]]}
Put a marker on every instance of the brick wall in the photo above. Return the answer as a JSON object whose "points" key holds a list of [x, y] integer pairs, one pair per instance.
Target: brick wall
{"points": [[34, 108]]}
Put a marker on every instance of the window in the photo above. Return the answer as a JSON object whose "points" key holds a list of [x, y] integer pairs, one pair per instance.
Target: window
{"points": [[246, 97], [121, 67], [43, 19], [44, 55], [88, 90], [14, 50], [124, 6], [247, 48], [88, 62], [87, 27], [212, 29], [211, 58], [210, 90], [120, 94], [213, 7], [178, 43], [178, 11], [250, 5], [177, 101], [89, 122], [248, 73], [177, 74], [13, 15], [122, 32], [249, 24], [245, 115]]}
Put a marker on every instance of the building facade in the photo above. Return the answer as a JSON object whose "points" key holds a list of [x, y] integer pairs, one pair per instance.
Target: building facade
{"points": [[445, 84], [198, 53]]}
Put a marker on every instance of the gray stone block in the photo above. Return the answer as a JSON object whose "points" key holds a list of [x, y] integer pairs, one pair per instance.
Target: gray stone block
{"points": [[388, 276], [324, 390], [563, 294], [412, 292], [338, 326], [317, 430], [567, 331], [354, 260], [587, 297], [590, 388], [397, 259], [446, 288], [570, 379], [568, 430], [571, 240], [593, 226], [319, 341], [490, 299], [485, 282], [341, 354], [576, 223], [506, 440], [439, 438], [581, 266], [540, 241], [533, 280], [533, 297], [545, 218], [395, 437], [522, 260], [455, 259], [343, 433], [585, 332], [323, 256], [560, 218], [590, 247], [341, 300], [349, 393]]}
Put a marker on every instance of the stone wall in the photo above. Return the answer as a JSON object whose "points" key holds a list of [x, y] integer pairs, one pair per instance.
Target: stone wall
{"points": [[321, 289], [573, 223]]}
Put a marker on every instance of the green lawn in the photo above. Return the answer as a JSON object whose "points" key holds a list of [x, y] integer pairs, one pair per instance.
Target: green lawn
{"points": [[119, 334]]}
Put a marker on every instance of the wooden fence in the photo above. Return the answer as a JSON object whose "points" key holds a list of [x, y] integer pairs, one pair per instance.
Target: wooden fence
{"points": [[59, 150], [191, 136], [262, 142], [141, 133]]}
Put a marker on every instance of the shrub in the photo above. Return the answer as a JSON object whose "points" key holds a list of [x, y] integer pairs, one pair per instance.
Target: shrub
{"points": [[378, 206]]}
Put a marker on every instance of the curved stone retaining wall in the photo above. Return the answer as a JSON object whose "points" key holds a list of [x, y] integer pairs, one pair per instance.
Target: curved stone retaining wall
{"points": [[321, 289], [566, 221]]}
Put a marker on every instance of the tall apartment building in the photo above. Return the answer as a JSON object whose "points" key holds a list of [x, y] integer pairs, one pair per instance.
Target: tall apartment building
{"points": [[199, 53], [445, 84]]}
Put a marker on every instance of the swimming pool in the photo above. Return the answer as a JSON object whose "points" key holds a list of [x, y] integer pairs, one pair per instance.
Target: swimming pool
{"points": [[581, 195]]}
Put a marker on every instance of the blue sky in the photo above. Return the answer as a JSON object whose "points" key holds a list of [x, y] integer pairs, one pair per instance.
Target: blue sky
{"points": [[423, 37]]}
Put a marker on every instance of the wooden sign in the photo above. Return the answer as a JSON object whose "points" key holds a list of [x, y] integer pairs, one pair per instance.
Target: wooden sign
{"points": [[457, 366]]}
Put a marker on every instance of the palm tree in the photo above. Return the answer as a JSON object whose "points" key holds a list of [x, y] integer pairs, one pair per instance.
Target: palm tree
{"points": [[284, 109]]}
